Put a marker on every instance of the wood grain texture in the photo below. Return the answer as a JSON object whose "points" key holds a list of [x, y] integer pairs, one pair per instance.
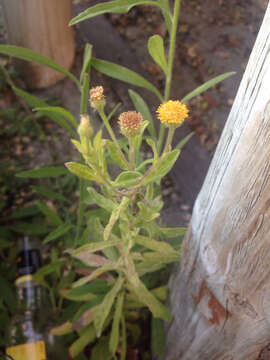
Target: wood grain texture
{"points": [[41, 26], [220, 295]]}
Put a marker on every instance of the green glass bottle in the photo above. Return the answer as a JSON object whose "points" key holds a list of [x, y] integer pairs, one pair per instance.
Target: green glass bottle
{"points": [[28, 335]]}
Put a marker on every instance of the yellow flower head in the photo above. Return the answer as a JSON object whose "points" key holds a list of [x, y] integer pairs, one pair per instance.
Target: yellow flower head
{"points": [[172, 112]]}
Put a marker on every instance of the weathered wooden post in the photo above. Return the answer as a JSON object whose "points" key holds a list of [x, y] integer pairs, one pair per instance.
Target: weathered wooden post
{"points": [[220, 295], [41, 25]]}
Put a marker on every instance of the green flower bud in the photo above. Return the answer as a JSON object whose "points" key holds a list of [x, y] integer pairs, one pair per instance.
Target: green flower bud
{"points": [[85, 129]]}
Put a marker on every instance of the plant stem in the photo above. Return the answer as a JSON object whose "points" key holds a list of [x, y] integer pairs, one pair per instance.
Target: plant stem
{"points": [[177, 4], [169, 139], [131, 151], [110, 131]]}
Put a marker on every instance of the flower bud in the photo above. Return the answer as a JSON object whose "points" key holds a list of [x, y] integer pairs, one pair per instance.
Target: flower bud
{"points": [[85, 129], [130, 123], [97, 98]]}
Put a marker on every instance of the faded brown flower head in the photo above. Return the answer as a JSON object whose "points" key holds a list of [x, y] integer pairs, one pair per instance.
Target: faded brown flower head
{"points": [[130, 123], [97, 98]]}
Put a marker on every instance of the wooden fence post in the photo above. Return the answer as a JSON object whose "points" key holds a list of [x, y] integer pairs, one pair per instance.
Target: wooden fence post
{"points": [[220, 295], [41, 25]]}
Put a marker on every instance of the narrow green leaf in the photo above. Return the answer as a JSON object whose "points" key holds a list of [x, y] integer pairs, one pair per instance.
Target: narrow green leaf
{"points": [[62, 329], [101, 201], [50, 194], [101, 350], [144, 295], [141, 107], [173, 232], [35, 102], [183, 142], [53, 171], [162, 167], [84, 172], [59, 111], [87, 336], [58, 232], [208, 84], [86, 61], [98, 286], [155, 245], [105, 307], [116, 7], [156, 50], [127, 179], [90, 248], [115, 216], [114, 155], [94, 275], [30, 55], [158, 336], [114, 336], [55, 218], [124, 74], [166, 11], [48, 269], [153, 146], [23, 212]]}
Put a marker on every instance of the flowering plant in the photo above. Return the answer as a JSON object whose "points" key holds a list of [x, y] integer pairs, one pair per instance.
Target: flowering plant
{"points": [[118, 239]]}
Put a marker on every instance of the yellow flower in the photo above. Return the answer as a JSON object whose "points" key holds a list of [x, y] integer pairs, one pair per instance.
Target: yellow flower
{"points": [[172, 112]]}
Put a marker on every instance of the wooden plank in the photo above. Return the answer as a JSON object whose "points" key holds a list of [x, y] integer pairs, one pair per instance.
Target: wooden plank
{"points": [[41, 26], [220, 294]]}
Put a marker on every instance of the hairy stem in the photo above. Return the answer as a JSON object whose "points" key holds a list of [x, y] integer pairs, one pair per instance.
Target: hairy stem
{"points": [[177, 4]]}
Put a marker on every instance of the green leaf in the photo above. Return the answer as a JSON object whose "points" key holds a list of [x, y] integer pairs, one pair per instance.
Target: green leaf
{"points": [[183, 142], [206, 86], [101, 350], [158, 336], [173, 232], [49, 213], [105, 307], [94, 275], [114, 337], [7, 294], [35, 102], [166, 11], [124, 74], [98, 286], [48, 269], [162, 167], [50, 194], [155, 245], [153, 146], [115, 156], [141, 107], [127, 179], [144, 295], [101, 201], [37, 227], [58, 232], [53, 171], [30, 55], [24, 212], [58, 110], [90, 248], [156, 50], [86, 61], [115, 216], [116, 7], [87, 336], [84, 172]]}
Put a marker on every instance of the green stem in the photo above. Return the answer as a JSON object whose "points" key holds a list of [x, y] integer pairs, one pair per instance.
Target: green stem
{"points": [[131, 140], [80, 211], [110, 131], [177, 4], [84, 94], [169, 139]]}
